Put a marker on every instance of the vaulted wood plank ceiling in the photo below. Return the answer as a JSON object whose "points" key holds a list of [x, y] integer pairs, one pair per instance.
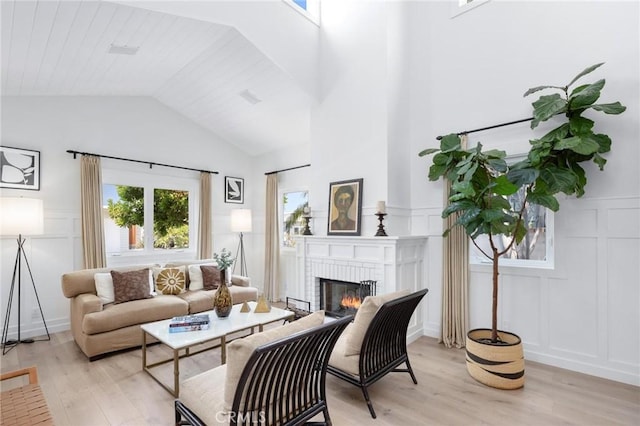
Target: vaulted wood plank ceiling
{"points": [[199, 69]]}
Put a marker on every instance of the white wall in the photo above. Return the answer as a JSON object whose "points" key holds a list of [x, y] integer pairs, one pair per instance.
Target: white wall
{"points": [[130, 127], [471, 71]]}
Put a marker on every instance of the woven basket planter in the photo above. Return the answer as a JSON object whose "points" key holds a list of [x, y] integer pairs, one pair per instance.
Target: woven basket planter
{"points": [[499, 365]]}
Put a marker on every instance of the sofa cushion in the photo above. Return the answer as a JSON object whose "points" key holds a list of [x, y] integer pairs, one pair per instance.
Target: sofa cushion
{"points": [[120, 315], [363, 318], [210, 277], [170, 280], [132, 285], [195, 275], [199, 300], [239, 351], [104, 286], [204, 396]]}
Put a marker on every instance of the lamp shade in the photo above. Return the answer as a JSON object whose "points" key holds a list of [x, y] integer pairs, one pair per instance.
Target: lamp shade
{"points": [[21, 216], [241, 220]]}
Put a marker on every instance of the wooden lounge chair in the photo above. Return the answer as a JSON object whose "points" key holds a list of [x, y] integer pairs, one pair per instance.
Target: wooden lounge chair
{"points": [[376, 343]]}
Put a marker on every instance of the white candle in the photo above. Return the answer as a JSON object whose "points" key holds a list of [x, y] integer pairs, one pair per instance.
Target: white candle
{"points": [[381, 207]]}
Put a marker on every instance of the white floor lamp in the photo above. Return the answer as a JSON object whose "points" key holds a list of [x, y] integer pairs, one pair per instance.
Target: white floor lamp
{"points": [[241, 222], [20, 216]]}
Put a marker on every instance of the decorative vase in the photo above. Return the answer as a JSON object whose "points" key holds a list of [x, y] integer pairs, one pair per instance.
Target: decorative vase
{"points": [[499, 365], [222, 301]]}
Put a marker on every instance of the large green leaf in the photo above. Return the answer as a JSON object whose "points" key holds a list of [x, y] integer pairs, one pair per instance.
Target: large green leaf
{"points": [[457, 206], [441, 159], [581, 178], [580, 125], [585, 72], [559, 132], [539, 88], [428, 151], [603, 141], [558, 179], [545, 200], [521, 177], [599, 161], [504, 186], [436, 171], [612, 108], [465, 188], [586, 96], [567, 143], [469, 215], [450, 143], [520, 232], [492, 215], [498, 202], [587, 146], [546, 107]]}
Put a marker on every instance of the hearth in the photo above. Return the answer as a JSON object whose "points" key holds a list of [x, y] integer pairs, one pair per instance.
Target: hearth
{"points": [[341, 298]]}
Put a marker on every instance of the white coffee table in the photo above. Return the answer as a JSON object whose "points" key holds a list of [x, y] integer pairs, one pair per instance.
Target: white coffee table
{"points": [[219, 328]]}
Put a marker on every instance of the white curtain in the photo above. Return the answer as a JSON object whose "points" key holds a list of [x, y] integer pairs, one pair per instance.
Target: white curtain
{"points": [[455, 279], [93, 242], [205, 246], [272, 241]]}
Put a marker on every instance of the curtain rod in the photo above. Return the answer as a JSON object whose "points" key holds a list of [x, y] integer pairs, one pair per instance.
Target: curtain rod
{"points": [[466, 132], [286, 170], [150, 163]]}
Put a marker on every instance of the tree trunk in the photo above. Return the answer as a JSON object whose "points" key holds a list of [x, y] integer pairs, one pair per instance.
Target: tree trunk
{"points": [[494, 305]]}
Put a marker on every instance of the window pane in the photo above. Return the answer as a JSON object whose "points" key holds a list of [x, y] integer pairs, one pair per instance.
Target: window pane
{"points": [[533, 246], [170, 219], [123, 213], [293, 204]]}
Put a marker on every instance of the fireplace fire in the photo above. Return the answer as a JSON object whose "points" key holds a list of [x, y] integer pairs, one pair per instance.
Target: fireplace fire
{"points": [[341, 298]]}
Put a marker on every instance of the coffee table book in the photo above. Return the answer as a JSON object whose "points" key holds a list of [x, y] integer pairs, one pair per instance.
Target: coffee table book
{"points": [[189, 320]]}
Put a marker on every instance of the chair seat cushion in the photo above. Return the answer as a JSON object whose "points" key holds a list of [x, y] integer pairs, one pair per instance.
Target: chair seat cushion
{"points": [[363, 318], [204, 395]]}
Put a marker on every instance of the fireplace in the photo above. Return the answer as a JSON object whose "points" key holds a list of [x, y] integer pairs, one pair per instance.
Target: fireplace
{"points": [[341, 298]]}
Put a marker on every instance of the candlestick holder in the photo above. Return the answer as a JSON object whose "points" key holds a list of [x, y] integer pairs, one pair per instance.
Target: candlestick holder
{"points": [[306, 230], [381, 232]]}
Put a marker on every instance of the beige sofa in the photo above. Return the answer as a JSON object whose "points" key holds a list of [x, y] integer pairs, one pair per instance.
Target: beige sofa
{"points": [[100, 328]]}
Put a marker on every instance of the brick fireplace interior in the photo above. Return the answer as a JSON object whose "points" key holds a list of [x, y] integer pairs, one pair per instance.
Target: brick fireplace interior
{"points": [[340, 298]]}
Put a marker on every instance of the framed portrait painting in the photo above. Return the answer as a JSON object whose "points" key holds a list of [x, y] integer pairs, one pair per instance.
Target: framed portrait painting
{"points": [[19, 168], [233, 190], [345, 207]]}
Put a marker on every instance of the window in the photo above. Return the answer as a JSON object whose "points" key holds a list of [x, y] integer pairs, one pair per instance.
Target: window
{"points": [[535, 250], [134, 204], [458, 7], [293, 204], [310, 9]]}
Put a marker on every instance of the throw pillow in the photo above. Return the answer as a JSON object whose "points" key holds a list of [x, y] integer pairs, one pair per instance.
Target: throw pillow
{"points": [[363, 318], [195, 276], [132, 285], [170, 280], [240, 350], [104, 287], [210, 277]]}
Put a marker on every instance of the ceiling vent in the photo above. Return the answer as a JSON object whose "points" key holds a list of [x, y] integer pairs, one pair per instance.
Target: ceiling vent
{"points": [[123, 50], [249, 97]]}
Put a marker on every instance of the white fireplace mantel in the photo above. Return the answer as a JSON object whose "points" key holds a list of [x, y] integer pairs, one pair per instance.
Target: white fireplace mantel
{"points": [[396, 263]]}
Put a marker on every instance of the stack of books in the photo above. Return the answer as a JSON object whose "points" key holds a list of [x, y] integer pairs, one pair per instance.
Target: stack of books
{"points": [[189, 323]]}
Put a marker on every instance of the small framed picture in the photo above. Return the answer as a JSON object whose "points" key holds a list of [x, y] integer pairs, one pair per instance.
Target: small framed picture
{"points": [[345, 207], [19, 168], [233, 190]]}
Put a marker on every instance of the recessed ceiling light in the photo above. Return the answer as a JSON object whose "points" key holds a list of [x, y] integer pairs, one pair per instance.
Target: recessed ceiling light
{"points": [[123, 50], [249, 97]]}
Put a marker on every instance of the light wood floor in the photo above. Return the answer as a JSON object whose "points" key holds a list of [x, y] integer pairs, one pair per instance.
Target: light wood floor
{"points": [[114, 391]]}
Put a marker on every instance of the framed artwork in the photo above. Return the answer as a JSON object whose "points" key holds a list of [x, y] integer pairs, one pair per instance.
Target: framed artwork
{"points": [[19, 168], [233, 190], [345, 207]]}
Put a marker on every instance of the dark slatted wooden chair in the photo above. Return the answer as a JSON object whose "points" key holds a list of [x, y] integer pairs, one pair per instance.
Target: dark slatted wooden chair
{"points": [[383, 347], [282, 383]]}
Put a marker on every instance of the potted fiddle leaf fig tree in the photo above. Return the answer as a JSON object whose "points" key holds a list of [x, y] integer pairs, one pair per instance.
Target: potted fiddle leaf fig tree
{"points": [[482, 182]]}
